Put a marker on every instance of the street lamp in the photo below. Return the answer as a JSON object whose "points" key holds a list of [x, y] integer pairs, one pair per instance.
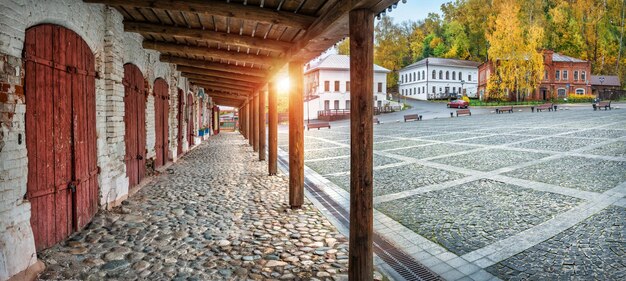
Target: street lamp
{"points": [[602, 84], [462, 82]]}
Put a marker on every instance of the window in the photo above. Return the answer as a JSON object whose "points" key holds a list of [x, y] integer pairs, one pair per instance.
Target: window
{"points": [[545, 75], [347, 86], [380, 103], [336, 104], [348, 104], [434, 89], [424, 89], [460, 76], [434, 74], [575, 75], [557, 75], [580, 91], [326, 86], [583, 76], [419, 76], [419, 90], [454, 90], [336, 86], [469, 78], [564, 75], [326, 105], [413, 77], [453, 75], [380, 87], [460, 91], [561, 92], [414, 90], [423, 74], [447, 75]]}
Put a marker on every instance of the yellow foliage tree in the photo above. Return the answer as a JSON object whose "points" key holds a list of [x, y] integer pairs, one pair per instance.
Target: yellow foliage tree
{"points": [[514, 48]]}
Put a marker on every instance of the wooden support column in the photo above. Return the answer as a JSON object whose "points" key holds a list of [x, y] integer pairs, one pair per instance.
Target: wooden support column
{"points": [[272, 127], [255, 123], [361, 25], [296, 135], [249, 121], [262, 135], [242, 121]]}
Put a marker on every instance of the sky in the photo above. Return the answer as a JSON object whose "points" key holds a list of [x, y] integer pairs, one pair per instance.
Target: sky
{"points": [[416, 9]]}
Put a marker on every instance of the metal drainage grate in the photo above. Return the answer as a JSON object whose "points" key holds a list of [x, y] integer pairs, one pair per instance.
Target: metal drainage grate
{"points": [[403, 264]]}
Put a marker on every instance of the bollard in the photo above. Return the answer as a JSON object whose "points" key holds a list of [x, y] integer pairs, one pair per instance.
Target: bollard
{"points": [[555, 108], [532, 109], [451, 114]]}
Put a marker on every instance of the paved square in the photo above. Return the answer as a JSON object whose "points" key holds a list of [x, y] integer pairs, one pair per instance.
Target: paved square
{"points": [[515, 196]]}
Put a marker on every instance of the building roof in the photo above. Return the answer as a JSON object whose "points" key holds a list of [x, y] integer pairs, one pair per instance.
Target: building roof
{"points": [[339, 62], [445, 62], [563, 58], [609, 81]]}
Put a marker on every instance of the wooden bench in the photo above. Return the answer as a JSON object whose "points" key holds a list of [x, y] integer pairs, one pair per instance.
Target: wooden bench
{"points": [[463, 112], [410, 117], [545, 106], [603, 104], [503, 109], [319, 125], [376, 121]]}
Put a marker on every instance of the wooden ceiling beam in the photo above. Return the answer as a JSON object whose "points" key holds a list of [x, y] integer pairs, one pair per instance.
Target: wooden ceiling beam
{"points": [[219, 8], [224, 86], [220, 94], [214, 66], [231, 103], [219, 80], [208, 52], [213, 73], [208, 35], [207, 86]]}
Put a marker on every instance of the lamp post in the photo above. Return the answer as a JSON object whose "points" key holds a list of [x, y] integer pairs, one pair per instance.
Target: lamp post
{"points": [[462, 82], [601, 84]]}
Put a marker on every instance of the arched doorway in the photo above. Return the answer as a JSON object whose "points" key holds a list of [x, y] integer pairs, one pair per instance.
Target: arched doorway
{"points": [[59, 86], [181, 108], [161, 112], [190, 118], [135, 121]]}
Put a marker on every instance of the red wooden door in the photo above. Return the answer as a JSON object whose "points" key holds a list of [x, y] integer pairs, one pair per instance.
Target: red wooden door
{"points": [[190, 117], [135, 121], [161, 107], [60, 132], [181, 108]]}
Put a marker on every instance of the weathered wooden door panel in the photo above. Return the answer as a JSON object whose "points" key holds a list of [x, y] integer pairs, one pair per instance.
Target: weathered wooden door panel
{"points": [[190, 118], [135, 108], [161, 106], [60, 132], [181, 107]]}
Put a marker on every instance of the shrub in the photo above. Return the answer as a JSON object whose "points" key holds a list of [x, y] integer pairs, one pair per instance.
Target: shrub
{"points": [[465, 98], [575, 98]]}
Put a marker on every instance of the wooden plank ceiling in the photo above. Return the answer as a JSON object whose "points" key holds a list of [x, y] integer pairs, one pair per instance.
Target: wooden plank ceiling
{"points": [[232, 48]]}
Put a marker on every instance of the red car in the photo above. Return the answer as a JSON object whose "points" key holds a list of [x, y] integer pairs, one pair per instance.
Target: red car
{"points": [[458, 104]]}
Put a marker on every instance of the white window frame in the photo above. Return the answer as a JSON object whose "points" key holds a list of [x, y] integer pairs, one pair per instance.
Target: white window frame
{"points": [[580, 89]]}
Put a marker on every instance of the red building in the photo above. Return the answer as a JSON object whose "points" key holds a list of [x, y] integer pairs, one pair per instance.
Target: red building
{"points": [[563, 75]]}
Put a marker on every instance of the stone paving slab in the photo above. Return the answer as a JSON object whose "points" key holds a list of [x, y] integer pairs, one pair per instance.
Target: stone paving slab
{"points": [[594, 249], [214, 215], [339, 165], [576, 172], [470, 216], [489, 160], [398, 144], [431, 150], [394, 179], [560, 144], [617, 149]]}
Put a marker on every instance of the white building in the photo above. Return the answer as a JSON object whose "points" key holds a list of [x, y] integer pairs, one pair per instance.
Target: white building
{"points": [[327, 86], [437, 78]]}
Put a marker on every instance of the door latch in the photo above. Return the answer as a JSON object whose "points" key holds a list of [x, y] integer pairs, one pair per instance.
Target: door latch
{"points": [[72, 186], [139, 157]]}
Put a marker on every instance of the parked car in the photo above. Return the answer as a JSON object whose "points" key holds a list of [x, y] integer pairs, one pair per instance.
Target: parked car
{"points": [[458, 104]]}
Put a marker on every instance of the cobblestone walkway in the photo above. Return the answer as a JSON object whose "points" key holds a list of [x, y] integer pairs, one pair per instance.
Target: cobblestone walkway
{"points": [[538, 196], [213, 215]]}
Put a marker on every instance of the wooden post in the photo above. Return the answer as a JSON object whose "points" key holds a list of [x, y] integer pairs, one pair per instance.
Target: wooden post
{"points": [[296, 135], [250, 121], [244, 122], [361, 25], [262, 135], [272, 129], [255, 123], [241, 124]]}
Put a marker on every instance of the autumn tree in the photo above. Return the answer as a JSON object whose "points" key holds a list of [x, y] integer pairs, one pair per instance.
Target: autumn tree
{"points": [[514, 49], [343, 48], [390, 48]]}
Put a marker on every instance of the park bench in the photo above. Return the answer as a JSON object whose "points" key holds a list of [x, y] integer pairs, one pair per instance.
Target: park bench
{"points": [[603, 104], [319, 125], [545, 106], [463, 112], [410, 117], [376, 121], [503, 109]]}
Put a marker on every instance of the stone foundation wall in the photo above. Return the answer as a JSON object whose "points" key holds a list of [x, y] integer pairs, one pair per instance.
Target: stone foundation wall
{"points": [[102, 28]]}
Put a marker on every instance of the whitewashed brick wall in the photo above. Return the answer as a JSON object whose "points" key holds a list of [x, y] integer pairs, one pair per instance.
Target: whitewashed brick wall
{"points": [[102, 28]]}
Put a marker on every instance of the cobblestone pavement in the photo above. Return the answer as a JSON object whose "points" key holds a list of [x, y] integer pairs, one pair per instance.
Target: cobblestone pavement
{"points": [[214, 215], [536, 196]]}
